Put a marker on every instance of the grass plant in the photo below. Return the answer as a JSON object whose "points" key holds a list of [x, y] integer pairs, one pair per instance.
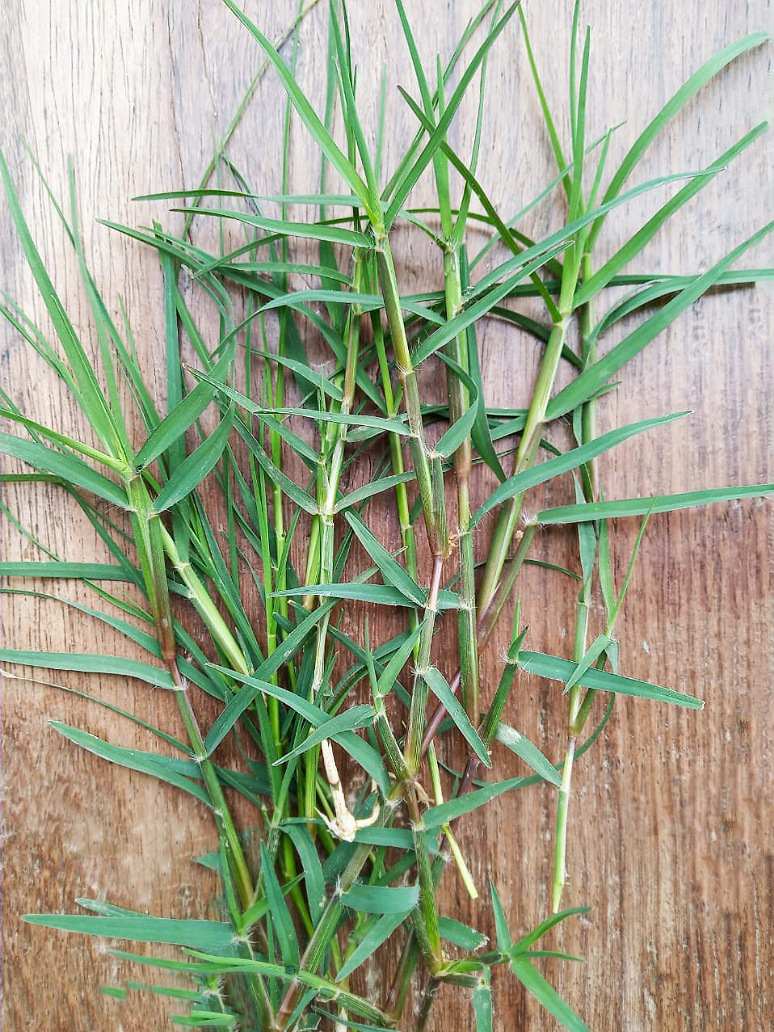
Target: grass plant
{"points": [[349, 861]]}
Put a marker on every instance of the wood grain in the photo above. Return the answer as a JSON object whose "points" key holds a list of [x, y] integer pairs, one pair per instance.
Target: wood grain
{"points": [[669, 840]]}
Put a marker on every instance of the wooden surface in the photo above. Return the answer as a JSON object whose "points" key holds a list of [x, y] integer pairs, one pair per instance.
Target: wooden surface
{"points": [[668, 832]]}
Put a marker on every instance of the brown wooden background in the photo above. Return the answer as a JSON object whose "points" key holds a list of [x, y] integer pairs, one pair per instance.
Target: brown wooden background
{"points": [[669, 837]]}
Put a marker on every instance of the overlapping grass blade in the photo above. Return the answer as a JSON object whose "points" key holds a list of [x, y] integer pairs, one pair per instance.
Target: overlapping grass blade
{"points": [[651, 505], [556, 669]]}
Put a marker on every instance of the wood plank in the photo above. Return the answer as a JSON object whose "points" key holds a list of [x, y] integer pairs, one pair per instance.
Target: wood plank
{"points": [[669, 842]]}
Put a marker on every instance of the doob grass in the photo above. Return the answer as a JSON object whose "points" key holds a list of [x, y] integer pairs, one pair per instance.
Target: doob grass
{"points": [[342, 869]]}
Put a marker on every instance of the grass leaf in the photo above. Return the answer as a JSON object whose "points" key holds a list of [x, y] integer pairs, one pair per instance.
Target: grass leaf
{"points": [[72, 470], [307, 113], [527, 751], [376, 933], [678, 100], [214, 936], [392, 572], [555, 669], [652, 504], [442, 691], [545, 994], [437, 816], [175, 772], [281, 921], [87, 663], [545, 471], [597, 375], [348, 720], [195, 467], [381, 899]]}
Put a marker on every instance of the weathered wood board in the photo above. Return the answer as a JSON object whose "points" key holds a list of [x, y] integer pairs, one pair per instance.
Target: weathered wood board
{"points": [[670, 840]]}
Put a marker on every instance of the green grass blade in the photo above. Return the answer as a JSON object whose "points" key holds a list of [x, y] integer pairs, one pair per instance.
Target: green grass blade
{"points": [[89, 663], [349, 720], [436, 139], [272, 471], [362, 494], [439, 686], [195, 467], [57, 570], [546, 995], [90, 395], [175, 772], [215, 936], [527, 751], [281, 921], [437, 816], [309, 230], [312, 714], [183, 415], [555, 669], [305, 110], [366, 302], [548, 118], [600, 644], [377, 594], [502, 931], [142, 638], [546, 926], [378, 899], [597, 375], [205, 1019], [652, 504], [397, 661], [527, 263], [678, 100], [376, 933], [63, 439], [395, 426], [314, 879], [638, 241], [305, 372], [71, 469], [544, 471], [228, 717], [461, 935], [392, 572]]}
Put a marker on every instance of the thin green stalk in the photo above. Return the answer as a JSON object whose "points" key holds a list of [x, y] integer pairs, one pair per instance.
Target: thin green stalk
{"points": [[530, 437], [330, 472], [420, 453], [399, 990], [456, 852], [459, 402], [392, 406], [432, 498], [419, 694], [587, 421], [425, 916], [204, 605], [549, 365]]}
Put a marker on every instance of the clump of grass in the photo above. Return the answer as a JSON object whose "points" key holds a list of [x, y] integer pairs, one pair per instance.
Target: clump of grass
{"points": [[338, 873]]}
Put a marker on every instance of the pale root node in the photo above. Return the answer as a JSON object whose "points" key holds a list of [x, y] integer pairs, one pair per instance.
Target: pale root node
{"points": [[344, 825]]}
